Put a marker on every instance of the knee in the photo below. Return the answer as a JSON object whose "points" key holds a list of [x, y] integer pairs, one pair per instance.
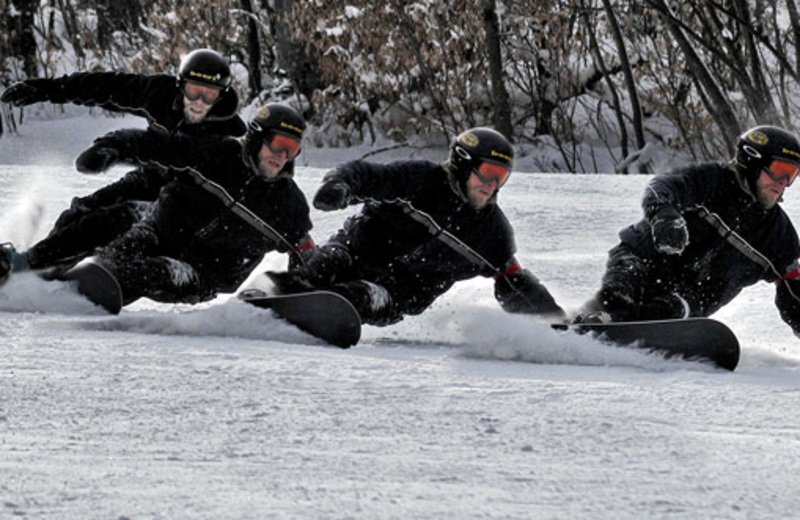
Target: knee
{"points": [[373, 302]]}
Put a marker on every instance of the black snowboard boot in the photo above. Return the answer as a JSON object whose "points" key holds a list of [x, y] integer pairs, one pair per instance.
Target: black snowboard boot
{"points": [[11, 261]]}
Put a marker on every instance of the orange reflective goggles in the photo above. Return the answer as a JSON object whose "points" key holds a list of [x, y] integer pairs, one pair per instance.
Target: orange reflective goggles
{"points": [[490, 172], [278, 143], [193, 92], [782, 170]]}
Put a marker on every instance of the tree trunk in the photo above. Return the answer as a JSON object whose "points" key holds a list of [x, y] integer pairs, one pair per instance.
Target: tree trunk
{"points": [[795, 19], [766, 109], [253, 50], [22, 38], [598, 57], [302, 69], [502, 110], [630, 83]]}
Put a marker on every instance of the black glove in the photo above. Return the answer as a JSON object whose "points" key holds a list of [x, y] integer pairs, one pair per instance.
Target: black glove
{"points": [[97, 158], [670, 233], [332, 195], [787, 299], [522, 293], [30, 91], [105, 151]]}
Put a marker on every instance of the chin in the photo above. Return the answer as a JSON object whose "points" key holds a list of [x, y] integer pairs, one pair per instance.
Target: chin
{"points": [[478, 204], [193, 118]]}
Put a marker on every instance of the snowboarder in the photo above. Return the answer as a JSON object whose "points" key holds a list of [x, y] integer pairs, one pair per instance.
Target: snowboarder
{"points": [[423, 227], [232, 201], [708, 231], [199, 101]]}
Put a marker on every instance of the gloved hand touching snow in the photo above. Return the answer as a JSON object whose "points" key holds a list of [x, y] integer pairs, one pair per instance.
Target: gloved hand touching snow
{"points": [[333, 194], [670, 233]]}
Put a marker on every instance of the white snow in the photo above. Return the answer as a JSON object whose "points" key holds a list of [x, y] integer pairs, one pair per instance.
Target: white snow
{"points": [[222, 411]]}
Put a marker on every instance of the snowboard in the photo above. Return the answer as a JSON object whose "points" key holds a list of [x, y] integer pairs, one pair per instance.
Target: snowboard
{"points": [[326, 315], [97, 284], [701, 339]]}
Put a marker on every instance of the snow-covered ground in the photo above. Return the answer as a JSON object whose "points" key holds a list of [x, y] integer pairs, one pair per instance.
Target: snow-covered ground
{"points": [[222, 411]]}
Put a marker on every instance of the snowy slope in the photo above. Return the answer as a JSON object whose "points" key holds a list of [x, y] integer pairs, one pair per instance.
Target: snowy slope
{"points": [[222, 411]]}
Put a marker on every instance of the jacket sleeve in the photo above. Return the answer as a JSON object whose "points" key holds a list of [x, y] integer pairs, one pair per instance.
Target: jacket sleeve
{"points": [[384, 182], [114, 91], [518, 291], [682, 189]]}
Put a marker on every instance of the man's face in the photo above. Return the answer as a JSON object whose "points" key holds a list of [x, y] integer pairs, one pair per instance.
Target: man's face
{"points": [[478, 192], [775, 178], [483, 182], [276, 151], [271, 163], [769, 191], [197, 101]]}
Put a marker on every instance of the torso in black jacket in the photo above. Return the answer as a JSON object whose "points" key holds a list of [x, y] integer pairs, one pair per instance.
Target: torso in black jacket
{"points": [[197, 227], [393, 250], [711, 272], [157, 98]]}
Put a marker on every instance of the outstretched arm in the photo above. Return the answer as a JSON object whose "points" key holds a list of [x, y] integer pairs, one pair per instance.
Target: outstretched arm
{"points": [[356, 181], [114, 91], [146, 147]]}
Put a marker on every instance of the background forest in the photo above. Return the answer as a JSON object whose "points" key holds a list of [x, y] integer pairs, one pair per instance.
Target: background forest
{"points": [[619, 78]]}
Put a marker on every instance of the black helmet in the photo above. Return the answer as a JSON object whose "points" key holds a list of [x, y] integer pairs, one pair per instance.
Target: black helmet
{"points": [[273, 118], [478, 145], [759, 146], [205, 67]]}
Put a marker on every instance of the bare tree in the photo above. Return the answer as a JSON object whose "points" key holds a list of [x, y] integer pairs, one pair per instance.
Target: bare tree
{"points": [[713, 97], [301, 65], [627, 71], [501, 114], [590, 23], [22, 43], [253, 49]]}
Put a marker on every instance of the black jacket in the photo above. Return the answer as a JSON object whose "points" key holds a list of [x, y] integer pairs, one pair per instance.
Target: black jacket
{"points": [[711, 271], [391, 248], [157, 98], [212, 214]]}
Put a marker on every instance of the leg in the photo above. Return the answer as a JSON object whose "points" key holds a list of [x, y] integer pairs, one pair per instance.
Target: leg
{"points": [[141, 270], [632, 291], [77, 236], [143, 184], [623, 286]]}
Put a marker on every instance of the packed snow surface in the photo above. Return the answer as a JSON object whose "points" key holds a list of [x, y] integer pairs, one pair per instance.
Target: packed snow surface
{"points": [[224, 411]]}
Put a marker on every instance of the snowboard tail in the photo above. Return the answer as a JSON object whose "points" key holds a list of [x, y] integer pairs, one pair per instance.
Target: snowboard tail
{"points": [[326, 315], [700, 339]]}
